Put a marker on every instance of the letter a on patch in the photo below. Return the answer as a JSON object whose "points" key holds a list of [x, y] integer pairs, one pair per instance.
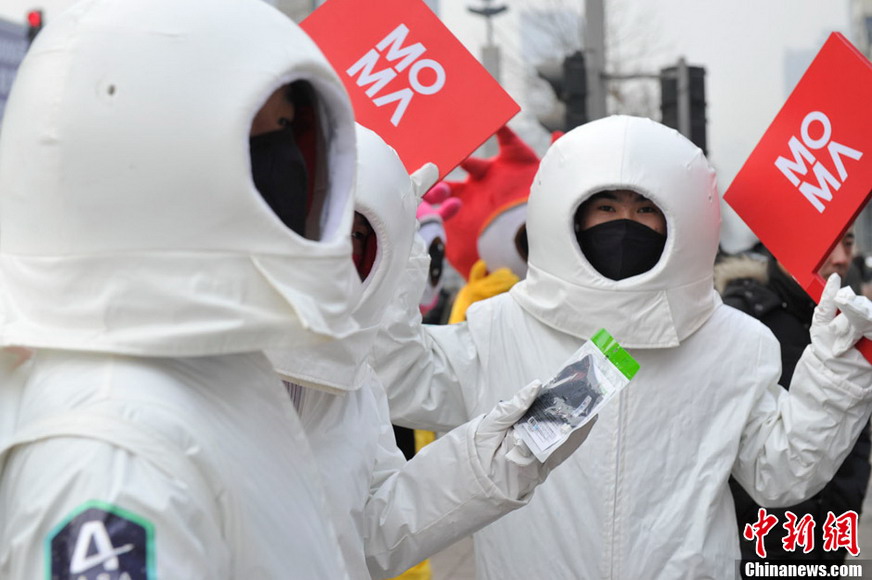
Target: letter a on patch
{"points": [[99, 541]]}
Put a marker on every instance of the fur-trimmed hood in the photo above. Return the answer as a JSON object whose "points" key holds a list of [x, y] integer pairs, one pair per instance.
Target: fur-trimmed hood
{"points": [[739, 267]]}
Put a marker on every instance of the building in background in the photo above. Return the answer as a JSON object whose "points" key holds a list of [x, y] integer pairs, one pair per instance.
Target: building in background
{"points": [[299, 9], [861, 29], [13, 46]]}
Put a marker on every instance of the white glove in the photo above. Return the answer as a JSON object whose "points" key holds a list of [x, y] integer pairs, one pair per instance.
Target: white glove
{"points": [[424, 178], [506, 458], [833, 336]]}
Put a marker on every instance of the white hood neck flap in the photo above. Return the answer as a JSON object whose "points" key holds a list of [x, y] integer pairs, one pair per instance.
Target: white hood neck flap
{"points": [[656, 309], [129, 220]]}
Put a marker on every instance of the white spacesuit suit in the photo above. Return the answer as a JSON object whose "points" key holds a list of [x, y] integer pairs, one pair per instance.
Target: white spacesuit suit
{"points": [[392, 514], [146, 266], [647, 494]]}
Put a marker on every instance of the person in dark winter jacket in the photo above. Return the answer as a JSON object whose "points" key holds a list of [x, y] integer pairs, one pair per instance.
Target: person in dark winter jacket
{"points": [[760, 287]]}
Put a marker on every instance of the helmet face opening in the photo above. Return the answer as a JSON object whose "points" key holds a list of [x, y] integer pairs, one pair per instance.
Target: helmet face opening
{"points": [[364, 245], [288, 157], [621, 233]]}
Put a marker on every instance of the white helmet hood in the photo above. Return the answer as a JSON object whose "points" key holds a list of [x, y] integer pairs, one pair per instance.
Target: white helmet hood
{"points": [[388, 198], [129, 220], [660, 307]]}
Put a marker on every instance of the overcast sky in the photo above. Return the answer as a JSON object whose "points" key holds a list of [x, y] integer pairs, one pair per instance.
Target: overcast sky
{"points": [[753, 51]]}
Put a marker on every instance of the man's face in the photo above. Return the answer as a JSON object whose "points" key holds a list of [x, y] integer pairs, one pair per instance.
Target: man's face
{"points": [[620, 204], [361, 231], [276, 113], [839, 259]]}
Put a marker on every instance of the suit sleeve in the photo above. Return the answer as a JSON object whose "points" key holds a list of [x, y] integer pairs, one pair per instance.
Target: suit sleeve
{"points": [[73, 507], [795, 441], [421, 507], [426, 370]]}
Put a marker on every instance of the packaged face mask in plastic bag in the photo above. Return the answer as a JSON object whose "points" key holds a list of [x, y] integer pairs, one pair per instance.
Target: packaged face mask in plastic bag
{"points": [[593, 375]]}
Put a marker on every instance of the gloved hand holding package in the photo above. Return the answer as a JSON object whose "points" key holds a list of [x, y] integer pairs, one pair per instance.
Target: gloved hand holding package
{"points": [[593, 375]]}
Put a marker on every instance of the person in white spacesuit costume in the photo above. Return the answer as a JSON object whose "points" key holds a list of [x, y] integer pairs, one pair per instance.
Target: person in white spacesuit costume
{"points": [[148, 260], [391, 514], [646, 496]]}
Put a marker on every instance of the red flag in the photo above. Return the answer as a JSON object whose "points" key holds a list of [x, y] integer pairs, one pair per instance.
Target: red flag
{"points": [[811, 173], [410, 79]]}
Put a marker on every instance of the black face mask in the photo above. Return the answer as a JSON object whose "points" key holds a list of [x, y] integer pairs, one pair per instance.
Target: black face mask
{"points": [[621, 248], [279, 173]]}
